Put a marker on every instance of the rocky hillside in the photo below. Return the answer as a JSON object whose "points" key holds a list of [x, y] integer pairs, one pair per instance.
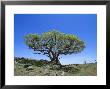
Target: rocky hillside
{"points": [[29, 67]]}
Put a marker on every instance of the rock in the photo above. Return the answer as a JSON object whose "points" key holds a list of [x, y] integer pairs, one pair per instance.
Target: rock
{"points": [[55, 67], [52, 67], [45, 71], [62, 74], [29, 68]]}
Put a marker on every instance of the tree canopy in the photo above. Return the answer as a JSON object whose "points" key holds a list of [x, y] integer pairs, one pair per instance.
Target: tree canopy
{"points": [[54, 43]]}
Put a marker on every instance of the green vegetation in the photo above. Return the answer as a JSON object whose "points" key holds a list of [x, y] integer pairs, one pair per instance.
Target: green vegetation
{"points": [[31, 67], [54, 43]]}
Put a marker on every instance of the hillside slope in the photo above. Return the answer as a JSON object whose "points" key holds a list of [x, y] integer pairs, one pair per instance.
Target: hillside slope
{"points": [[25, 67]]}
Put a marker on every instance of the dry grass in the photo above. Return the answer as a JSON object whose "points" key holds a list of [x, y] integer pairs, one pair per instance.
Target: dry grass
{"points": [[79, 70]]}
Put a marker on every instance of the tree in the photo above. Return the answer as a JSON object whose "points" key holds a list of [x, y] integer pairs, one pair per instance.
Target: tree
{"points": [[54, 43]]}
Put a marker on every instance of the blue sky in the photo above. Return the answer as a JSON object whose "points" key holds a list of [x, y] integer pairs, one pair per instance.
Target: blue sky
{"points": [[82, 25]]}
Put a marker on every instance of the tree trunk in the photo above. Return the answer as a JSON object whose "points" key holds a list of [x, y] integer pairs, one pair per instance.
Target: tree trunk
{"points": [[55, 60]]}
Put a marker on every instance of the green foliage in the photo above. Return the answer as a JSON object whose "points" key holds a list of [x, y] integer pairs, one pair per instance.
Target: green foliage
{"points": [[54, 43]]}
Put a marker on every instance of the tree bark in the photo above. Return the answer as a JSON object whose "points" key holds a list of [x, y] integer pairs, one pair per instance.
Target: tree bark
{"points": [[55, 60], [53, 57]]}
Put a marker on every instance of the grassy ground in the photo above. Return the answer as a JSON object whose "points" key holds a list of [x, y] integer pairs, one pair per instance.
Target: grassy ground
{"points": [[39, 68]]}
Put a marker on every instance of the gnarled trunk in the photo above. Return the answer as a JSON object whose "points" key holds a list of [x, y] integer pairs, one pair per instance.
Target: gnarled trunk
{"points": [[55, 60]]}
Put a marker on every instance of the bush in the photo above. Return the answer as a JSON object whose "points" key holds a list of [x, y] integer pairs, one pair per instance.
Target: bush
{"points": [[26, 65], [70, 69], [28, 62]]}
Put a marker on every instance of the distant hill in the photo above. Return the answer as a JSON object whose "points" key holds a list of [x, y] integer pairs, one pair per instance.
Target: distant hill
{"points": [[32, 67]]}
